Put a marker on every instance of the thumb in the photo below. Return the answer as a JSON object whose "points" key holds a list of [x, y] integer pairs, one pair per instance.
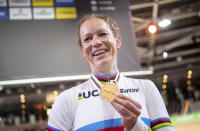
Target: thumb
{"points": [[122, 121]]}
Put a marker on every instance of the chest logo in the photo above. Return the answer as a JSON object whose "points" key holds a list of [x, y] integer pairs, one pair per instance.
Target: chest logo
{"points": [[87, 94], [130, 90]]}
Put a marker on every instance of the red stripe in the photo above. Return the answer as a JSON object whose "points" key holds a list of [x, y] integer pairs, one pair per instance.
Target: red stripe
{"points": [[49, 129], [119, 128], [159, 121], [101, 78]]}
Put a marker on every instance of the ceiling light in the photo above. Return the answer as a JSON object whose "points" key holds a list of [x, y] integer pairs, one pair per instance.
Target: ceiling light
{"points": [[165, 54], [152, 29], [164, 23]]}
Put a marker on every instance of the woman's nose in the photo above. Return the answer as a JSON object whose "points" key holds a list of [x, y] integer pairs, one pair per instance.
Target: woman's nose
{"points": [[96, 42]]}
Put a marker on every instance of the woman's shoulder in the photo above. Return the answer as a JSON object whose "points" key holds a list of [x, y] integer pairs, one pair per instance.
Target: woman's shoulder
{"points": [[137, 81]]}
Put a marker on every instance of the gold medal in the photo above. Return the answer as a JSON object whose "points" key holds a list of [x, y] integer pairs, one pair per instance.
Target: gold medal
{"points": [[109, 91]]}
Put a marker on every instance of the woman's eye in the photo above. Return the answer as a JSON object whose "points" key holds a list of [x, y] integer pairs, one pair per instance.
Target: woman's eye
{"points": [[87, 39], [102, 34]]}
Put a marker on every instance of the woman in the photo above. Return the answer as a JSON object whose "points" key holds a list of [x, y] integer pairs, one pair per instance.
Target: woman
{"points": [[108, 100]]}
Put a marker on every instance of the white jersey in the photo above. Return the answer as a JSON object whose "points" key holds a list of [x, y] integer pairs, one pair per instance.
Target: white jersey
{"points": [[81, 108]]}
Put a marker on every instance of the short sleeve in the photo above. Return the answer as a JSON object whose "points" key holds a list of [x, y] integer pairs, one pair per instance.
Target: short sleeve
{"points": [[158, 114], [61, 115]]}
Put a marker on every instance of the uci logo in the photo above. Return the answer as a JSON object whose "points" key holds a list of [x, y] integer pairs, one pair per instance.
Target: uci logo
{"points": [[87, 94]]}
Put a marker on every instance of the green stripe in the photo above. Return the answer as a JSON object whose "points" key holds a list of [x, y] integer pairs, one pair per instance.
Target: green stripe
{"points": [[162, 127], [79, 98]]}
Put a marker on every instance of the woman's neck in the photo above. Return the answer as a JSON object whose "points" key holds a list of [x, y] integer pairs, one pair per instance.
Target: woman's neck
{"points": [[105, 71]]}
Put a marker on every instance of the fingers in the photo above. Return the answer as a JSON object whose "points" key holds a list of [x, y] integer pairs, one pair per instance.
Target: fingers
{"points": [[128, 109], [125, 105], [123, 111], [130, 100]]}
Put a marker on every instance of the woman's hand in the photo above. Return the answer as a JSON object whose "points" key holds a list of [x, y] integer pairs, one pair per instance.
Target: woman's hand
{"points": [[128, 109]]}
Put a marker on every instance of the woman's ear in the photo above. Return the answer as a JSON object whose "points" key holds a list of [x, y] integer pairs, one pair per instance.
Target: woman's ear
{"points": [[118, 40]]}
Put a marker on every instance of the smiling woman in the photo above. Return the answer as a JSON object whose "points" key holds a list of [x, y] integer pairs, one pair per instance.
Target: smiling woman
{"points": [[113, 102], [99, 45]]}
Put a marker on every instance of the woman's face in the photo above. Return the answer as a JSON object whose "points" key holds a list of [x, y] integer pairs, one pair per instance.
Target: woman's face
{"points": [[99, 45]]}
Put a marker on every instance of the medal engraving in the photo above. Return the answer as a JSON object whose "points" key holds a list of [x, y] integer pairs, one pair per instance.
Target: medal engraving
{"points": [[109, 91]]}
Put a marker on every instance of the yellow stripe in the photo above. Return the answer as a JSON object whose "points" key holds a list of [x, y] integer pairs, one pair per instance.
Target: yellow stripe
{"points": [[149, 129], [162, 124], [103, 82]]}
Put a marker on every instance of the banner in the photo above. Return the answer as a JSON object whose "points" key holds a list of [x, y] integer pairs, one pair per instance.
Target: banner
{"points": [[43, 13], [66, 13], [42, 2], [20, 13], [64, 3], [19, 3], [3, 13]]}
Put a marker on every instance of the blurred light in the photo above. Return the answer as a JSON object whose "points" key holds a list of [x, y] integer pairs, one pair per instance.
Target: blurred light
{"points": [[48, 111], [165, 76], [62, 86], [164, 80], [164, 23], [22, 98], [189, 72], [32, 85], [1, 88], [93, 2], [188, 82], [164, 86], [55, 92], [50, 97], [39, 91], [165, 54], [23, 106], [68, 78], [179, 58], [152, 29], [189, 76]]}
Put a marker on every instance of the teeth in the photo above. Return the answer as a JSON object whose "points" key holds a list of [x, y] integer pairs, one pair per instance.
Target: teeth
{"points": [[99, 52]]}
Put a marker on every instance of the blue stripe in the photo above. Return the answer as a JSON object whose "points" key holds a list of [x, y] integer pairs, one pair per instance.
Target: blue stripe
{"points": [[146, 121], [159, 119], [54, 128], [104, 76], [64, 3], [101, 125]]}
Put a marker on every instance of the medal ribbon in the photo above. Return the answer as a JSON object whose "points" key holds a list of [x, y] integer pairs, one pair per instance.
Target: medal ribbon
{"points": [[99, 84]]}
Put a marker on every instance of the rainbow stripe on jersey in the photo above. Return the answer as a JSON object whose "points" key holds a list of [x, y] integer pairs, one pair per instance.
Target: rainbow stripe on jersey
{"points": [[160, 122]]}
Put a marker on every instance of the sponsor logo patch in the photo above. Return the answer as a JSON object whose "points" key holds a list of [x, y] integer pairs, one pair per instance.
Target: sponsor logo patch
{"points": [[19, 3], [130, 90], [87, 94], [66, 13], [20, 13], [43, 13], [64, 2], [42, 2], [3, 13]]}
